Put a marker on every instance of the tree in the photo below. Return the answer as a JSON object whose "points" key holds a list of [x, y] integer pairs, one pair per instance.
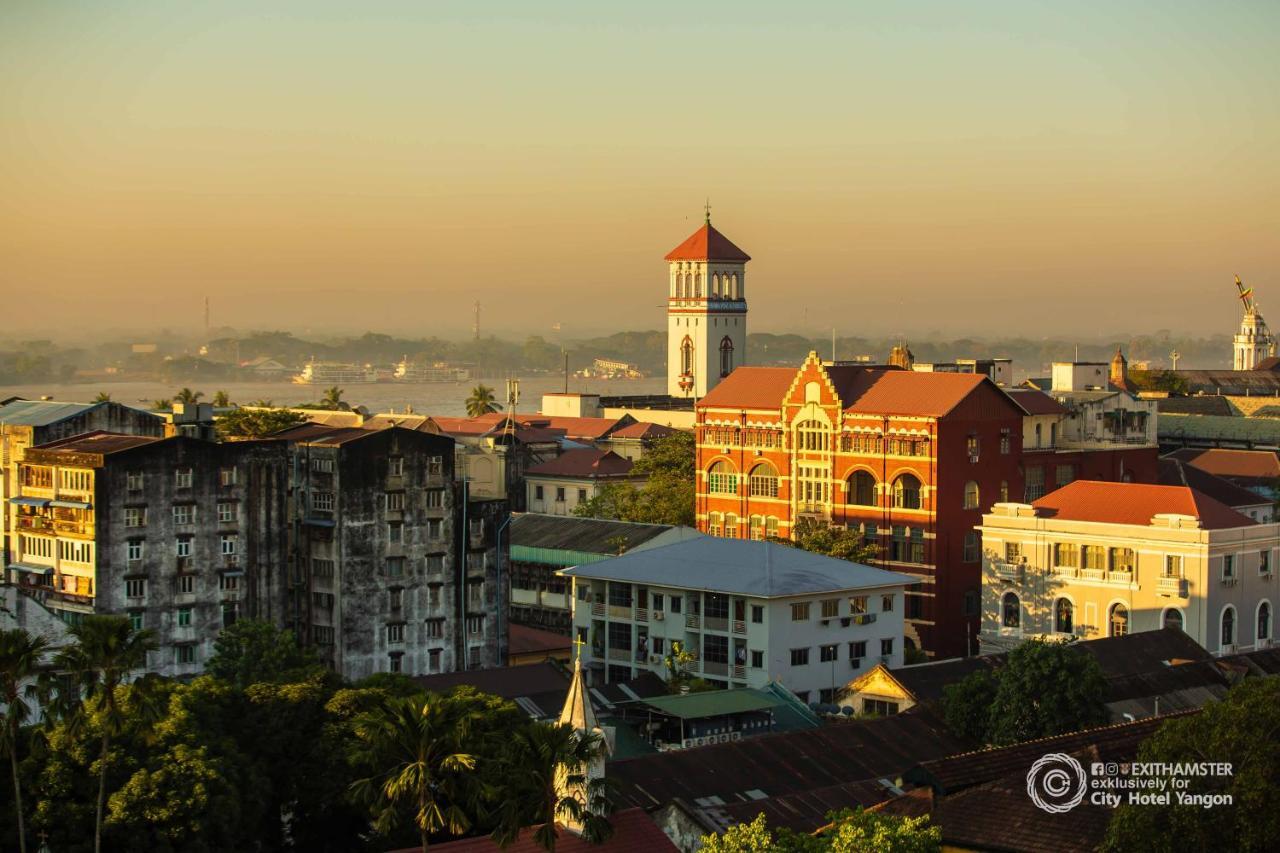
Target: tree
{"points": [[1159, 380], [1045, 688], [332, 399], [103, 397], [676, 660], [667, 496], [1240, 730], [188, 397], [830, 539], [252, 651], [222, 399], [256, 423], [849, 832], [107, 650], [546, 764], [20, 659], [162, 405], [482, 402], [416, 749]]}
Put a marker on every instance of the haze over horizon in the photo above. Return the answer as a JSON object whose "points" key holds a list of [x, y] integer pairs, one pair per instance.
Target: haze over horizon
{"points": [[995, 168]]}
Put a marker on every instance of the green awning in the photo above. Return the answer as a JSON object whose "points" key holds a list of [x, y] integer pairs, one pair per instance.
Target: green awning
{"points": [[70, 504], [558, 557], [23, 501], [712, 703]]}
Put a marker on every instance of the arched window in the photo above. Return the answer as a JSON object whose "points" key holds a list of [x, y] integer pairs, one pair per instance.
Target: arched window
{"points": [[697, 285], [726, 356], [862, 489], [722, 479], [1119, 619], [715, 285], [686, 355], [731, 526], [757, 527], [1172, 619], [737, 294], [1264, 621], [811, 435], [762, 482], [906, 492], [681, 292], [1010, 611], [1228, 627], [971, 495], [715, 524], [1063, 613]]}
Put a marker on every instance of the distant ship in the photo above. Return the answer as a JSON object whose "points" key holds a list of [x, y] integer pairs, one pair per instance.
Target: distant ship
{"points": [[332, 373], [407, 371]]}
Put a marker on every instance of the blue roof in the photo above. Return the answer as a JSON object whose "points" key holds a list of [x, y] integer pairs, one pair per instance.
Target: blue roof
{"points": [[739, 566], [39, 413]]}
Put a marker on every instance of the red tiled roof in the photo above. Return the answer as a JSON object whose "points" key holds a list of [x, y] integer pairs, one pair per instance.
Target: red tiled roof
{"points": [[523, 640], [1035, 402], [903, 392], [707, 244], [584, 463], [1136, 503], [1232, 463], [751, 388], [633, 832], [588, 428], [643, 430], [1175, 472]]}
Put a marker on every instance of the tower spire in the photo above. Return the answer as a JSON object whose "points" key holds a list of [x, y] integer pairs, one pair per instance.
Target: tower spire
{"points": [[707, 209]]}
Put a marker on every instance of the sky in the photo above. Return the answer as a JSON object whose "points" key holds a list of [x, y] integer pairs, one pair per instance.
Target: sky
{"points": [[976, 168]]}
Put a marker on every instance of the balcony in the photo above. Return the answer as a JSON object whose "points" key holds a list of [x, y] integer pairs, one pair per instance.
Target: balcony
{"points": [[557, 600], [1176, 587], [1120, 578], [620, 654], [1007, 571], [619, 612], [642, 614], [715, 667], [1065, 571], [524, 596], [739, 627], [1098, 575], [597, 608], [739, 671], [716, 623], [692, 621]]}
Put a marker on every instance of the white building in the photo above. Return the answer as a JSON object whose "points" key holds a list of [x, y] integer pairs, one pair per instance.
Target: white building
{"points": [[706, 312], [1254, 342], [557, 486], [751, 612]]}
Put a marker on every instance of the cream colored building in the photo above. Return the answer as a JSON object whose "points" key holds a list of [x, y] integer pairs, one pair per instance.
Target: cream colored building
{"points": [[1096, 559]]}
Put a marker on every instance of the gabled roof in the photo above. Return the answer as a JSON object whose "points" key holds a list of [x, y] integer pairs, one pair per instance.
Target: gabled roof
{"points": [[1259, 464], [1035, 402], [39, 413], [1135, 503], [524, 640], [1206, 404], [739, 566], [643, 430], [561, 533], [1175, 472], [587, 463], [751, 388], [633, 832], [101, 443], [707, 244]]}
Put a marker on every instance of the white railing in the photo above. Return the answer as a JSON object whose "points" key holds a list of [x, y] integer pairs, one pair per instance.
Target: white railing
{"points": [[1007, 571], [1172, 586]]}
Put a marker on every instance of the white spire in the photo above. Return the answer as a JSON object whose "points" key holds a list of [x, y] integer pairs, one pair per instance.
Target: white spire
{"points": [[577, 709]]}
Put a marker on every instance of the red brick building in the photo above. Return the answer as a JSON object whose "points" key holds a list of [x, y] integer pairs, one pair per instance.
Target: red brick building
{"points": [[909, 459]]}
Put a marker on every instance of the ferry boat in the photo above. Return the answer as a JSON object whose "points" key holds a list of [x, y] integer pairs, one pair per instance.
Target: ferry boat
{"points": [[408, 371], [334, 373]]}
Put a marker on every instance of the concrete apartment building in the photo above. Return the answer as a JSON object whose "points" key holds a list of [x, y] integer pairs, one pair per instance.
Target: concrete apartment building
{"points": [[183, 536], [378, 584], [750, 612], [1099, 559]]}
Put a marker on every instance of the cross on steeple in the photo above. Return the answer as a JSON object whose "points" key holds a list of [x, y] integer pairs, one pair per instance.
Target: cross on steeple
{"points": [[578, 643], [707, 208]]}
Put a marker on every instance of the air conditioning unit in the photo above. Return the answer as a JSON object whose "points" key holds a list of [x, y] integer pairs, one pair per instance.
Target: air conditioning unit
{"points": [[658, 615], [845, 621], [735, 736], [689, 742]]}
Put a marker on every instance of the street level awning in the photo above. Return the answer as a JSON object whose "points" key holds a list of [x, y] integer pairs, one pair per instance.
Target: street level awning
{"points": [[22, 501], [70, 504]]}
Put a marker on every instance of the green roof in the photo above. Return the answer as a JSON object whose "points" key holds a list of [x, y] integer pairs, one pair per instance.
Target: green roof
{"points": [[713, 703], [1263, 431]]}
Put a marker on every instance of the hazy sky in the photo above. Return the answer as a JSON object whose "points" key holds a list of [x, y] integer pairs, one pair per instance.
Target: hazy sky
{"points": [[894, 167]]}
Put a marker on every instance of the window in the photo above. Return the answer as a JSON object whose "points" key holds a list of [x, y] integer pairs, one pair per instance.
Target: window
{"points": [[1010, 611], [435, 465], [582, 496], [619, 594], [135, 516], [830, 608], [858, 650], [972, 548], [1066, 556], [134, 550], [812, 435], [395, 566], [857, 604], [1034, 481], [186, 584], [1173, 565], [886, 646], [435, 498], [230, 612], [1264, 621], [906, 492], [435, 528], [1004, 491], [226, 513], [886, 603], [395, 466], [1005, 442], [722, 479], [1094, 557], [475, 625], [879, 707], [182, 478], [184, 514], [186, 653], [435, 629], [184, 617], [762, 482], [434, 564], [1118, 620], [393, 662], [800, 612], [182, 547], [799, 657], [395, 598], [227, 544], [395, 634], [322, 465], [755, 526], [1123, 560], [228, 582], [395, 532], [1264, 562], [322, 568], [135, 588], [560, 494], [227, 476], [323, 634], [135, 619], [686, 356], [1228, 635], [1064, 474], [862, 489], [771, 527], [433, 657], [675, 603], [133, 481], [537, 493], [726, 356], [971, 495], [757, 659], [1228, 567], [826, 654], [1063, 613], [973, 446], [322, 501], [1172, 619], [395, 501]]}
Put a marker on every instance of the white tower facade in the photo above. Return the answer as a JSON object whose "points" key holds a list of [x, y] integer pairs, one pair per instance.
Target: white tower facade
{"points": [[1254, 341], [706, 312]]}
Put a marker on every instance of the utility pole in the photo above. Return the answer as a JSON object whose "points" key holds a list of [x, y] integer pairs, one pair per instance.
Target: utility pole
{"points": [[475, 325]]}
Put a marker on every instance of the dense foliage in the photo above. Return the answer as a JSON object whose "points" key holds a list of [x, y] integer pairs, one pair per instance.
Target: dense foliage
{"points": [[833, 540], [1044, 688], [272, 753], [849, 832], [667, 493], [255, 423]]}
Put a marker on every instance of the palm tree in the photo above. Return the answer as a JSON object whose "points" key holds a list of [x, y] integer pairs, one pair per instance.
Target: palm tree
{"points": [[162, 405], [186, 396], [482, 401], [20, 655], [332, 399], [548, 764], [262, 403], [103, 397], [106, 652], [222, 399], [417, 747]]}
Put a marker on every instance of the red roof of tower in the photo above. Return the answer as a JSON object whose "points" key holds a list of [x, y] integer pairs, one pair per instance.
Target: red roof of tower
{"points": [[707, 244]]}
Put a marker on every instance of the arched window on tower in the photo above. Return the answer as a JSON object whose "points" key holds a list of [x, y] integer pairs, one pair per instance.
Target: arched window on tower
{"points": [[726, 356], [734, 293], [697, 285], [715, 286], [686, 355]]}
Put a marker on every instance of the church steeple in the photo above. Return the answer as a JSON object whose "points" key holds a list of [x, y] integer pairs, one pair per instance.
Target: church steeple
{"points": [[577, 712]]}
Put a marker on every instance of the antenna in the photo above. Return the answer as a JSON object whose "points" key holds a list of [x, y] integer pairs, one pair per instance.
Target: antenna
{"points": [[1173, 357], [475, 325]]}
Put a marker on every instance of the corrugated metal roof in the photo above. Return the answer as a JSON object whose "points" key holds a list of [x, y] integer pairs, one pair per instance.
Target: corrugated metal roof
{"points": [[712, 703], [568, 540], [739, 566], [41, 412]]}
